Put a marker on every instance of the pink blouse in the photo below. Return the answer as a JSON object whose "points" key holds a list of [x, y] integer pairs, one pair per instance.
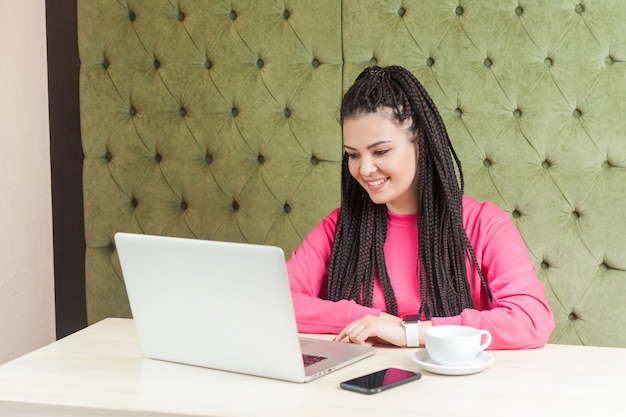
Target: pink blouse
{"points": [[518, 317]]}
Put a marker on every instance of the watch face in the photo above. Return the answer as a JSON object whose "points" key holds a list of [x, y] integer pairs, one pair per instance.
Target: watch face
{"points": [[411, 317]]}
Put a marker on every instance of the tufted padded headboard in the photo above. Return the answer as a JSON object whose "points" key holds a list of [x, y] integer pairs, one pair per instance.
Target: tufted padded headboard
{"points": [[218, 120]]}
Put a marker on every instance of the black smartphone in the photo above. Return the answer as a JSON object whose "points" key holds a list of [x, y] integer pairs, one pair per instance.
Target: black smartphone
{"points": [[380, 381]]}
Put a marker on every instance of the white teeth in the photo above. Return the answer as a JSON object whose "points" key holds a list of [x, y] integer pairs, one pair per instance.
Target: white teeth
{"points": [[375, 183]]}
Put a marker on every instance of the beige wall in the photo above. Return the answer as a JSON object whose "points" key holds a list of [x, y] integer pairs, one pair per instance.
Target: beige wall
{"points": [[26, 261]]}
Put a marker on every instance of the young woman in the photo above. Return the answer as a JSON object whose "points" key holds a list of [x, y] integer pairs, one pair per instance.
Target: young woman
{"points": [[405, 240]]}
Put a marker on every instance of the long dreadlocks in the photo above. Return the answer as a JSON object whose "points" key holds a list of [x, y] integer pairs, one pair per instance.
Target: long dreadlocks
{"points": [[357, 255]]}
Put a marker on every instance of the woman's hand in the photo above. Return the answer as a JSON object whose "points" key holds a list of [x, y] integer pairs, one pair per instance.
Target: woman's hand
{"points": [[385, 329]]}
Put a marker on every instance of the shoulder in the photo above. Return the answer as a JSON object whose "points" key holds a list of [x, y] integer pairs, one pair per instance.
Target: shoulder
{"points": [[484, 217], [484, 221], [317, 243], [331, 218], [474, 209]]}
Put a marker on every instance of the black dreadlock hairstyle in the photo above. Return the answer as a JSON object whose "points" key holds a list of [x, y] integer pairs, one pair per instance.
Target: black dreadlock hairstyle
{"points": [[357, 255]]}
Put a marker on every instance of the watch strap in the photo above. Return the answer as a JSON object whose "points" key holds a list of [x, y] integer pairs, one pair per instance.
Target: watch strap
{"points": [[411, 329]]}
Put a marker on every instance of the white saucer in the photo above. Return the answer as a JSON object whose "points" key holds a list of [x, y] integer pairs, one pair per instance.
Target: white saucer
{"points": [[482, 361]]}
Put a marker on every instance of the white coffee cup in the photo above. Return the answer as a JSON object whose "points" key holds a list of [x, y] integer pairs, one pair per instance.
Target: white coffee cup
{"points": [[453, 345]]}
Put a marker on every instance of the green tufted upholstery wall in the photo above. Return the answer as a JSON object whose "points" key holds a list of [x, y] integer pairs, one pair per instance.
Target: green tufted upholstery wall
{"points": [[218, 120]]}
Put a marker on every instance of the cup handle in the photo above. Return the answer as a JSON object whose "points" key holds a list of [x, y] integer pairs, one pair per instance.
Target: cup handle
{"points": [[487, 339]]}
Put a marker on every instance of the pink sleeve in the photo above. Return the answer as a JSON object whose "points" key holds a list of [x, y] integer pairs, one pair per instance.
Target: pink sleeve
{"points": [[519, 316], [306, 269]]}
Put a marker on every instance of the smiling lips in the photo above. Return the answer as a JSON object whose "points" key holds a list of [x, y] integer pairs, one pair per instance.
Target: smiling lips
{"points": [[377, 184]]}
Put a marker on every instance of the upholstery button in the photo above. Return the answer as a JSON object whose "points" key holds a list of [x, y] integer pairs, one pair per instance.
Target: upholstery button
{"points": [[132, 16], [286, 14], [430, 62], [132, 111], [208, 64], [235, 205], [208, 158], [516, 214], [287, 208], [287, 113], [575, 215], [261, 159], [234, 112], [486, 162], [519, 10], [314, 160], [606, 165], [183, 205], [577, 113], [105, 63], [459, 11], [181, 16], [260, 63], [108, 156], [517, 113], [182, 111], [458, 112], [134, 202], [233, 15], [373, 61], [158, 158], [544, 265], [401, 11], [573, 316], [548, 62], [111, 247], [316, 63], [608, 61], [546, 164], [157, 64], [487, 62], [580, 8]]}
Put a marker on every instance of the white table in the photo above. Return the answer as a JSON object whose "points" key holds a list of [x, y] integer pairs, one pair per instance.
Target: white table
{"points": [[100, 371]]}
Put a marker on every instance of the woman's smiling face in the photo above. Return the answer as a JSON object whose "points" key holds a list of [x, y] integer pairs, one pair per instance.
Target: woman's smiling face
{"points": [[383, 158]]}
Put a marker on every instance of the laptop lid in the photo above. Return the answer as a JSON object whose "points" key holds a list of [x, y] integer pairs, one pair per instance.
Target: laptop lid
{"points": [[220, 305]]}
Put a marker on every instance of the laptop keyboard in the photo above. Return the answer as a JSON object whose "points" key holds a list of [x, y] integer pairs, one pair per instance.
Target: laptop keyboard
{"points": [[311, 359]]}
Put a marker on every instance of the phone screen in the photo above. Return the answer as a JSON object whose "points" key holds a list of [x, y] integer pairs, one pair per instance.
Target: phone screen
{"points": [[380, 380]]}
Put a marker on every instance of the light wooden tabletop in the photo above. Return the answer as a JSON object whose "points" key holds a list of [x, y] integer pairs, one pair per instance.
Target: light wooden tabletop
{"points": [[101, 371]]}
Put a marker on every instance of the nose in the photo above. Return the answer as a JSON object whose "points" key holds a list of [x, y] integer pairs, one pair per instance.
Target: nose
{"points": [[367, 167]]}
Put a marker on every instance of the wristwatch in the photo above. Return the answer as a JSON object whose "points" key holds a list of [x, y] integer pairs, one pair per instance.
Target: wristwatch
{"points": [[411, 324]]}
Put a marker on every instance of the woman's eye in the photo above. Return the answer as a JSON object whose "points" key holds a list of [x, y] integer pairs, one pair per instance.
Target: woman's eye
{"points": [[351, 155], [381, 151]]}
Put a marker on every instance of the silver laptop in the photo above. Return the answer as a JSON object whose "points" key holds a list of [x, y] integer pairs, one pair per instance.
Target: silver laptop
{"points": [[221, 305]]}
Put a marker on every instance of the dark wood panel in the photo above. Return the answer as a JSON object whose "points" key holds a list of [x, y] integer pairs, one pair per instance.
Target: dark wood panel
{"points": [[66, 165]]}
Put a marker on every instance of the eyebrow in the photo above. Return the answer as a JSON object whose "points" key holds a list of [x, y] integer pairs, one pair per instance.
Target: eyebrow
{"points": [[373, 145]]}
